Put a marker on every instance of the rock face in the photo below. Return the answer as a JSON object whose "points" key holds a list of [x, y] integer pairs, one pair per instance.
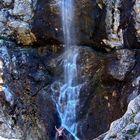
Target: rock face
{"points": [[137, 19], [27, 76], [121, 23], [103, 24], [15, 21], [104, 93], [123, 62], [23, 75], [110, 73], [110, 81], [128, 126]]}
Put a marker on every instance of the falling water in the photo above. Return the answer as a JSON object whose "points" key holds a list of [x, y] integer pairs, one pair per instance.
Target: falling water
{"points": [[68, 99], [67, 13]]}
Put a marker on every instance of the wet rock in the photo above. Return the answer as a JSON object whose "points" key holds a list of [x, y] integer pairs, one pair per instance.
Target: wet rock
{"points": [[93, 93], [47, 111], [100, 96], [106, 30], [112, 93], [88, 28], [39, 76], [131, 89], [28, 71], [110, 81]]}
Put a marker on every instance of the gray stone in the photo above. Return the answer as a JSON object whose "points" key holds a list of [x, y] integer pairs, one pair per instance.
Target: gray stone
{"points": [[15, 20], [3, 15], [18, 24], [137, 118], [121, 136], [133, 95], [23, 31], [6, 125], [23, 9], [130, 127], [124, 127], [7, 2], [137, 19], [2, 28], [136, 82], [120, 64], [112, 21], [15, 122]]}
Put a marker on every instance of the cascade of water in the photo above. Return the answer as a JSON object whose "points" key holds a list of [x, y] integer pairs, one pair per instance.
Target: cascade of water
{"points": [[69, 95], [68, 99]]}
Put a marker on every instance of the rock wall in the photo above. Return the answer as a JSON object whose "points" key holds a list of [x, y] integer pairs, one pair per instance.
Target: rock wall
{"points": [[109, 67], [15, 21], [102, 24], [23, 106], [28, 73], [128, 126], [107, 90]]}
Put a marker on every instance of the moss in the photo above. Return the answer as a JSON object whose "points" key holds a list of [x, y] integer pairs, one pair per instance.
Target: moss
{"points": [[4, 38], [113, 136], [132, 132]]}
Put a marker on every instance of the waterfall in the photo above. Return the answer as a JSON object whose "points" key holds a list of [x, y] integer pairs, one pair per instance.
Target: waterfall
{"points": [[68, 24], [68, 99]]}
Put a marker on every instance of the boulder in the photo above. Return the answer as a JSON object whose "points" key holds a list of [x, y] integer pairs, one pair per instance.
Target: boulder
{"points": [[119, 64], [15, 21], [124, 128], [20, 113]]}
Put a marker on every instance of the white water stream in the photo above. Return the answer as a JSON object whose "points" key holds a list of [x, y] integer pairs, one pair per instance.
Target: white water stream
{"points": [[68, 99]]}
